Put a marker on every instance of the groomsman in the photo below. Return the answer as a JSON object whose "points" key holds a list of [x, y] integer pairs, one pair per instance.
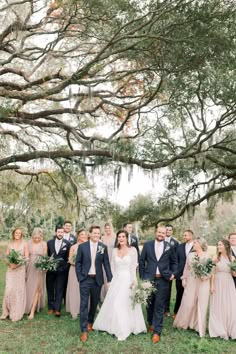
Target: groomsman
{"points": [[68, 235], [132, 239], [158, 264], [56, 280], [91, 258], [173, 243], [232, 241], [182, 252]]}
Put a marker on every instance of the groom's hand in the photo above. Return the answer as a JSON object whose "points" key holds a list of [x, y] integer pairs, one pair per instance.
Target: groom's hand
{"points": [[172, 277], [108, 285]]}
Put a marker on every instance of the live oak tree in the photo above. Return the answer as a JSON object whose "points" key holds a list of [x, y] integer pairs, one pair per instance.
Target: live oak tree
{"points": [[146, 83]]}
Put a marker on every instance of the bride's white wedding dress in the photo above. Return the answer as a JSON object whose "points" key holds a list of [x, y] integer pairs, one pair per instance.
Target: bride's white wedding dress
{"points": [[116, 315]]}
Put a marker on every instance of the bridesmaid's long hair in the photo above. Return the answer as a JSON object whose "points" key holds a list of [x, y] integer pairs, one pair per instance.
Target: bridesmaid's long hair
{"points": [[126, 235], [227, 249]]}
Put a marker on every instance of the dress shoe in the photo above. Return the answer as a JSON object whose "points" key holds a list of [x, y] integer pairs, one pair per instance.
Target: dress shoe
{"points": [[174, 315], [50, 312], [90, 327], [155, 338], [150, 329], [57, 314], [167, 314], [84, 337]]}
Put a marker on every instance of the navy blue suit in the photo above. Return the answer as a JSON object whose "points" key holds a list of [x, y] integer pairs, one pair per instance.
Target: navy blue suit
{"points": [[181, 259], [173, 243], [167, 266], [56, 281], [90, 286]]}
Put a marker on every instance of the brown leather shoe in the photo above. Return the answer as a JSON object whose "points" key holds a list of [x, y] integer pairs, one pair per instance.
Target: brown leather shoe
{"points": [[155, 338], [90, 327], [84, 337], [174, 315], [57, 314], [150, 329], [50, 312]]}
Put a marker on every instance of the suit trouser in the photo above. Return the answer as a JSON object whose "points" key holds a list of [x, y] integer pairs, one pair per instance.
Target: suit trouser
{"points": [[179, 295], [156, 305], [55, 282], [168, 296], [89, 289]]}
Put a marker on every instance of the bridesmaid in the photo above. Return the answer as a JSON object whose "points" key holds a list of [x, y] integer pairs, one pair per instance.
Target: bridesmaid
{"points": [[109, 240], [35, 279], [222, 321], [193, 309], [73, 292], [15, 291]]}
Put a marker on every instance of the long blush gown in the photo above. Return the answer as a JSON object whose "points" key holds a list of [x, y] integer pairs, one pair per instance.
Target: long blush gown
{"points": [[73, 292], [222, 321], [15, 292], [116, 315], [35, 278], [110, 243], [193, 309]]}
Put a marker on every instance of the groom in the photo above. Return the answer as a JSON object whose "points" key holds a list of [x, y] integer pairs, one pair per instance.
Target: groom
{"points": [[92, 256], [158, 264]]}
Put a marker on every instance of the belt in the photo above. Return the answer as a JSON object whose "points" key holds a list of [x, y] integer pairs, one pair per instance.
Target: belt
{"points": [[158, 276], [92, 275]]}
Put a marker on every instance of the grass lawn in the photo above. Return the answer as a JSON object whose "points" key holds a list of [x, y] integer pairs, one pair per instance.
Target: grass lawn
{"points": [[47, 334]]}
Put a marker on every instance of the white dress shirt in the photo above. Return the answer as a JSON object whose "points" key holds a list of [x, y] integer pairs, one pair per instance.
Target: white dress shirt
{"points": [[58, 245], [66, 237], [188, 247], [93, 251], [159, 248]]}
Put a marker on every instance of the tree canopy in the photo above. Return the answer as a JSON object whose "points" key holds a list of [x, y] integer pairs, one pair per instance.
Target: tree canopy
{"points": [[146, 83]]}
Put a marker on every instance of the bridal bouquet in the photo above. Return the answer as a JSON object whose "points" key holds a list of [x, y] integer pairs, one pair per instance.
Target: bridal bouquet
{"points": [[141, 292], [15, 257], [202, 267], [46, 263], [232, 266]]}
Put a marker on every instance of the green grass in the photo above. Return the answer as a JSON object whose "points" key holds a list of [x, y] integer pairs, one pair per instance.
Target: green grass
{"points": [[47, 334]]}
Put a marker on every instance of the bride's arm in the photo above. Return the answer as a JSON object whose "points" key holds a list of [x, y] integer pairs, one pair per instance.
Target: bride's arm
{"points": [[134, 264]]}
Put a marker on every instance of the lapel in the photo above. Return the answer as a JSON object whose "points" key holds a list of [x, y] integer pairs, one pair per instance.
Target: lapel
{"points": [[53, 249], [166, 247], [153, 250]]}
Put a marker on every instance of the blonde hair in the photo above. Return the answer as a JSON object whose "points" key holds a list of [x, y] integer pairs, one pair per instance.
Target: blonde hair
{"points": [[37, 231], [202, 243]]}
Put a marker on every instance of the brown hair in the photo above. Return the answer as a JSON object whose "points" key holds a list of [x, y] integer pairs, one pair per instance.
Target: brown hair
{"points": [[13, 233], [227, 249], [92, 227], [121, 232], [78, 232], [231, 234]]}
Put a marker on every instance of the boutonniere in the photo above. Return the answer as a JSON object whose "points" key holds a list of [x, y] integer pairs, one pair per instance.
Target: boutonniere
{"points": [[172, 243], [167, 248], [100, 249], [132, 241]]}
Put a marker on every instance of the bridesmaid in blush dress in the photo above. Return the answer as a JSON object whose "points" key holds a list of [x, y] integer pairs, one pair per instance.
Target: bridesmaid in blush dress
{"points": [[193, 309], [35, 279], [222, 321], [73, 292], [15, 292], [109, 240]]}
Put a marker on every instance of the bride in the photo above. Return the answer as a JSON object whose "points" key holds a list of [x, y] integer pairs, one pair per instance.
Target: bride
{"points": [[116, 315]]}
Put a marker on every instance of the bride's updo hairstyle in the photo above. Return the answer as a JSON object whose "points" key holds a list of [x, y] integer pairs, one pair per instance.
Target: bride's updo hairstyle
{"points": [[126, 235]]}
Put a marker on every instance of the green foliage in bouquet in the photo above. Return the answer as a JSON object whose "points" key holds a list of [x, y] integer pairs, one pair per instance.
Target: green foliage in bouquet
{"points": [[141, 293], [46, 263], [15, 257], [232, 266], [202, 267]]}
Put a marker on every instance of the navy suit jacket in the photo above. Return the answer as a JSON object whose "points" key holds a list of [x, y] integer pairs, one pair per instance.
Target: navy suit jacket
{"points": [[63, 254], [148, 262], [174, 243], [234, 278], [83, 262], [181, 259]]}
